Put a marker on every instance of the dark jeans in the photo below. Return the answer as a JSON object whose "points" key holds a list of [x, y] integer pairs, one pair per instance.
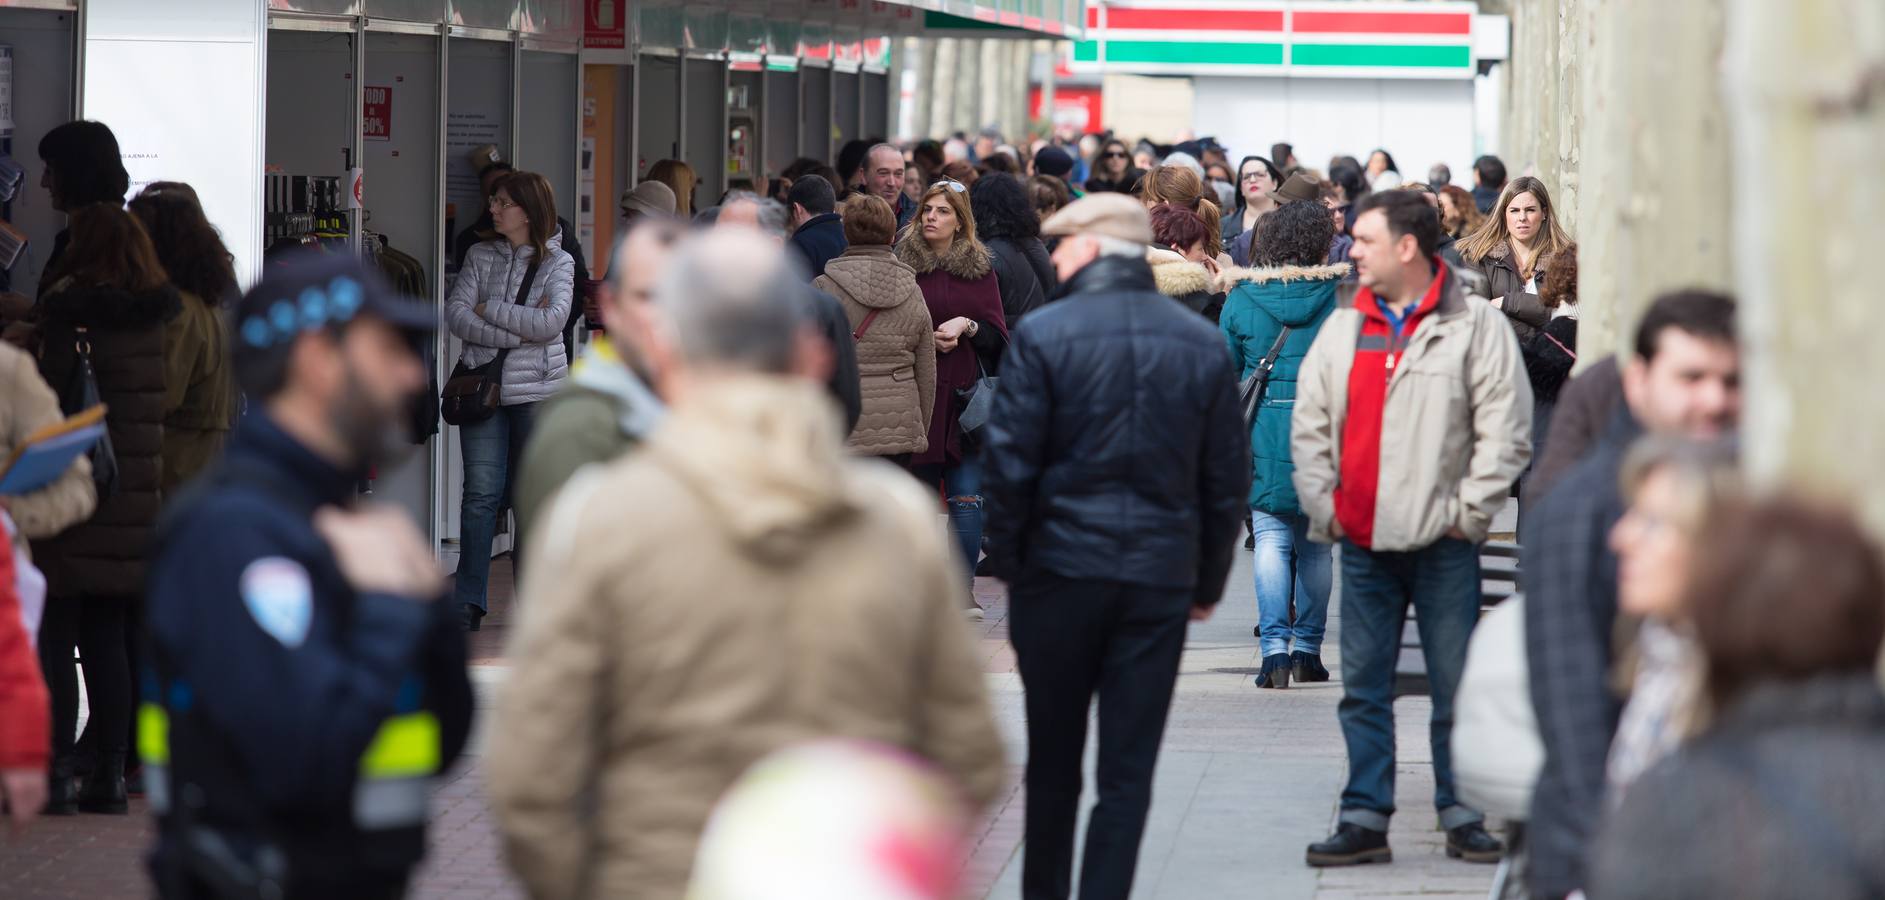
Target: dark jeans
{"points": [[96, 626], [1441, 582], [961, 482], [493, 450], [1074, 638]]}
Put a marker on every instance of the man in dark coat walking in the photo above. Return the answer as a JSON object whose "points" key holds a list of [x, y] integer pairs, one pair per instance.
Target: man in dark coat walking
{"points": [[1114, 502], [1682, 379], [817, 232]]}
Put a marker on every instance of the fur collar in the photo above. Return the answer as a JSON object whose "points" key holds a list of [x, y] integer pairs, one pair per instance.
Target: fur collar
{"points": [[1230, 278], [1175, 275], [109, 309], [966, 260]]}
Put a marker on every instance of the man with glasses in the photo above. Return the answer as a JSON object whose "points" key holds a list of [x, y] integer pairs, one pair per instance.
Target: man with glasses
{"points": [[883, 176]]}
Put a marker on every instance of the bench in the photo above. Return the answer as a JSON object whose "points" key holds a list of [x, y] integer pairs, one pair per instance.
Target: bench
{"points": [[1498, 581]]}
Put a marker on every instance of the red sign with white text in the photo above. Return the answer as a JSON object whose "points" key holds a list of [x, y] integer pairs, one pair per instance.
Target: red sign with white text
{"points": [[605, 27], [376, 114]]}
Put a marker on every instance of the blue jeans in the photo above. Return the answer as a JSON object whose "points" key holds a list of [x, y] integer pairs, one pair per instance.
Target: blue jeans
{"points": [[1441, 581], [493, 450], [961, 482], [1287, 565]]}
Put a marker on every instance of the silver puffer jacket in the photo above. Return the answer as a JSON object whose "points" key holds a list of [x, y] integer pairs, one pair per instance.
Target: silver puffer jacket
{"points": [[532, 330]]}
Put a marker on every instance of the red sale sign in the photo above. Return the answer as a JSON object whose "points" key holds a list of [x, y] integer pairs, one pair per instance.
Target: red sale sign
{"points": [[376, 115]]}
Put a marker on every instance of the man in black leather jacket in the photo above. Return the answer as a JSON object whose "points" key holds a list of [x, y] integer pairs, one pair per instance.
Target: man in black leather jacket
{"points": [[1116, 467]]}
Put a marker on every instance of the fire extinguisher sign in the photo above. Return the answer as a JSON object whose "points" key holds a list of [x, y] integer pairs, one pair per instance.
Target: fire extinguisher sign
{"points": [[605, 27], [376, 119]]}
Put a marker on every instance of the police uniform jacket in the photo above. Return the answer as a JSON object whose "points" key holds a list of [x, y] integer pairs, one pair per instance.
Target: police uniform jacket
{"points": [[288, 716]]}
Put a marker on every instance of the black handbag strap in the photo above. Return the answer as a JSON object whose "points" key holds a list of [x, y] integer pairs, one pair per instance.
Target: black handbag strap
{"points": [[523, 295], [1268, 361]]}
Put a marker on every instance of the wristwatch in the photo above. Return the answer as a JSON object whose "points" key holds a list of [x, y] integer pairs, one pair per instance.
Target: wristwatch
{"points": [[974, 328]]}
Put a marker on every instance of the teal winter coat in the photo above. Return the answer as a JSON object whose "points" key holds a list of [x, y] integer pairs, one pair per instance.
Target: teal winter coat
{"points": [[1260, 303]]}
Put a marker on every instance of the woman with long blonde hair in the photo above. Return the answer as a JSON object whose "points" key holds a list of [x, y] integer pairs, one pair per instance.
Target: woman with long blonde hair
{"points": [[1182, 187], [956, 274], [680, 178], [1514, 248]]}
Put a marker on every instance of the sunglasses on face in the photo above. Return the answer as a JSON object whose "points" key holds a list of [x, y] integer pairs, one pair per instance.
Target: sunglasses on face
{"points": [[955, 186], [1255, 176], [1113, 155]]}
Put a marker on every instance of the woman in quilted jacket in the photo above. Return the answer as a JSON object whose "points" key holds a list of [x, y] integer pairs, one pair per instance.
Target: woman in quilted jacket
{"points": [[108, 301], [493, 311], [896, 341]]}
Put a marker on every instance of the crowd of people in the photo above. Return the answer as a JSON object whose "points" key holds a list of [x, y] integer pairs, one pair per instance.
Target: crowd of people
{"points": [[1100, 362]]}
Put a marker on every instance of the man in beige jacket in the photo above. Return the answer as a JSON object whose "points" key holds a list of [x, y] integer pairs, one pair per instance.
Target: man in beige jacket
{"points": [[739, 586], [1413, 418]]}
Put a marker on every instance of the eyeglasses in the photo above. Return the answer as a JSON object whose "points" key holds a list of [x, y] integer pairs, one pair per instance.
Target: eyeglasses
{"points": [[1113, 155], [1255, 176], [955, 186], [499, 203]]}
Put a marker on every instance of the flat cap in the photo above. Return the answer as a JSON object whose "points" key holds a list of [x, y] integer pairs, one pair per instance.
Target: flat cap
{"points": [[1102, 215]]}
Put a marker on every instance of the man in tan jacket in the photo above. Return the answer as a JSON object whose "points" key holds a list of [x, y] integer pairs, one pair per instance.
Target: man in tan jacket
{"points": [[1413, 418], [739, 586]]}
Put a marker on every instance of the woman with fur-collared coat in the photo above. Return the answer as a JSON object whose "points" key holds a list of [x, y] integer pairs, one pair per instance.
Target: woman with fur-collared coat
{"points": [[959, 285], [1289, 288]]}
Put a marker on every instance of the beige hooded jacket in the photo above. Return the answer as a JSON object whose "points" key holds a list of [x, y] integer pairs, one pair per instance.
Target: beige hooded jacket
{"points": [[738, 586]]}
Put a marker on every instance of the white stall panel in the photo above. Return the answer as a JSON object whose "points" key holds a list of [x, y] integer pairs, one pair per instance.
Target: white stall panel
{"points": [[198, 123], [402, 201], [781, 130], [551, 102]]}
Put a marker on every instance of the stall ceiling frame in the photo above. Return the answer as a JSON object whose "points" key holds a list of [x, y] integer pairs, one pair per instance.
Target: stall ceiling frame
{"points": [[394, 26]]}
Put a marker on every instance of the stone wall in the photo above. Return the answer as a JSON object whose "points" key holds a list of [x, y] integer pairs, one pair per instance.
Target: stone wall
{"points": [[1731, 144]]}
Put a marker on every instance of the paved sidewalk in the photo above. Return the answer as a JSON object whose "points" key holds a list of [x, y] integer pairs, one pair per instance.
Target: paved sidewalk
{"points": [[1246, 779]]}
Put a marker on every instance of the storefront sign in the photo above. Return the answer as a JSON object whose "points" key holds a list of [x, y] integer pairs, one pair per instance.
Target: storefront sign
{"points": [[605, 25], [376, 115], [1267, 37]]}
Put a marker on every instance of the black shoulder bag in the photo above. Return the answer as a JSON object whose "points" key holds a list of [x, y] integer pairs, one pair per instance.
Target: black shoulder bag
{"points": [[1250, 390], [80, 393], [470, 396]]}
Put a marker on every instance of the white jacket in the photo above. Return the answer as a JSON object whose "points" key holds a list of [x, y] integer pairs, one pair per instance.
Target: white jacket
{"points": [[533, 330]]}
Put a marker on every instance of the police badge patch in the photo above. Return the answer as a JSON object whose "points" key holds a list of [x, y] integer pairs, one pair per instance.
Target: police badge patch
{"points": [[280, 598]]}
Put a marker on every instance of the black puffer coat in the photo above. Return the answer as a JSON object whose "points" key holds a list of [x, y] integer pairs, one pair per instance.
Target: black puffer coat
{"points": [[1135, 466], [106, 555], [1025, 273]]}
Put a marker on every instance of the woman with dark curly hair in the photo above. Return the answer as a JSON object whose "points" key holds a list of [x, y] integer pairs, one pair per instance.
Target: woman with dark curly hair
{"points": [[200, 398], [1270, 317], [1551, 351], [1006, 223]]}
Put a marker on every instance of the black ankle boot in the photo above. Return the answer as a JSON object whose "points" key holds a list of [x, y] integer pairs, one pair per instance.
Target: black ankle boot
{"points": [[1307, 667], [1275, 672], [103, 791], [62, 789]]}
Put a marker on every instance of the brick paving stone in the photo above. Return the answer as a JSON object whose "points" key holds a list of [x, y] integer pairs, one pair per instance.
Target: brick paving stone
{"points": [[1246, 779]]}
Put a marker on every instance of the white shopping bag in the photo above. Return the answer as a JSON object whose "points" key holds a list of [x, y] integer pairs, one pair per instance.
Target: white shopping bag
{"points": [[28, 580]]}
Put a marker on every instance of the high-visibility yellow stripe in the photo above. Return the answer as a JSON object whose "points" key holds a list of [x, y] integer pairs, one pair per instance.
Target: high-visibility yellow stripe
{"points": [[406, 746], [153, 734]]}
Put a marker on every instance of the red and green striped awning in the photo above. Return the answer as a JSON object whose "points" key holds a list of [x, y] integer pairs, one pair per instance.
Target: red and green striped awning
{"points": [[1321, 39]]}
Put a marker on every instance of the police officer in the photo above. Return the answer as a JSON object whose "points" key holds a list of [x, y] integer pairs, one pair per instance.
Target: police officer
{"points": [[307, 683]]}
